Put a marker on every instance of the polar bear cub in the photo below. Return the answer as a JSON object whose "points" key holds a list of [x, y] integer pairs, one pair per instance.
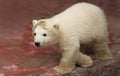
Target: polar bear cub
{"points": [[71, 32]]}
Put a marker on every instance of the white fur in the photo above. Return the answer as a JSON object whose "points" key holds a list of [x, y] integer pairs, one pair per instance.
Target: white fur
{"points": [[80, 24], [83, 22], [34, 22]]}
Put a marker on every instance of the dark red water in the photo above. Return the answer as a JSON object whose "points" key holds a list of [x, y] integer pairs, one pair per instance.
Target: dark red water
{"points": [[18, 56]]}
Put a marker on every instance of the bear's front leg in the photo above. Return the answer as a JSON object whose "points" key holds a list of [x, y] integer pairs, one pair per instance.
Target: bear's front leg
{"points": [[67, 63]]}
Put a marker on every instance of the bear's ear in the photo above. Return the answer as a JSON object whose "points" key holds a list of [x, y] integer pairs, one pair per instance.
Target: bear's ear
{"points": [[56, 26], [34, 22]]}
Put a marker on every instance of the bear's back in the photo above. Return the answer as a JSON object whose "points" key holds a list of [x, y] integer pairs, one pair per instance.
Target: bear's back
{"points": [[79, 10], [84, 19]]}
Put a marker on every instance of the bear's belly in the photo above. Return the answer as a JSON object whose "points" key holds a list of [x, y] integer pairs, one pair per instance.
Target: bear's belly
{"points": [[86, 40]]}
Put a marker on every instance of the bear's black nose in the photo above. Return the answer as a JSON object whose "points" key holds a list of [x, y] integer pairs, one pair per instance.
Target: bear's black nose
{"points": [[37, 43]]}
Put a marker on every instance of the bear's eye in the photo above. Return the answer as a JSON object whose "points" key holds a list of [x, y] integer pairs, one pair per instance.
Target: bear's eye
{"points": [[34, 34], [44, 35]]}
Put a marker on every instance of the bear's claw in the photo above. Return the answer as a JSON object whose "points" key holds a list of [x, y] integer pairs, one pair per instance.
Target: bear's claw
{"points": [[105, 56], [63, 69], [88, 63]]}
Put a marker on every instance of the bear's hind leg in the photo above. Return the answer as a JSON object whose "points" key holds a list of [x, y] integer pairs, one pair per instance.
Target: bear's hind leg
{"points": [[84, 60], [102, 51]]}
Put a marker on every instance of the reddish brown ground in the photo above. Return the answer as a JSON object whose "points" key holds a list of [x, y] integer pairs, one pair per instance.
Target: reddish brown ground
{"points": [[18, 55]]}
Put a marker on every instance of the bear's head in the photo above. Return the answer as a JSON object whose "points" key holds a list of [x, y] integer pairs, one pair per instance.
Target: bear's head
{"points": [[45, 33]]}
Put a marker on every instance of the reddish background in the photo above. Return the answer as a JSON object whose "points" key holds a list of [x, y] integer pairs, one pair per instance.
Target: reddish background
{"points": [[18, 55]]}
